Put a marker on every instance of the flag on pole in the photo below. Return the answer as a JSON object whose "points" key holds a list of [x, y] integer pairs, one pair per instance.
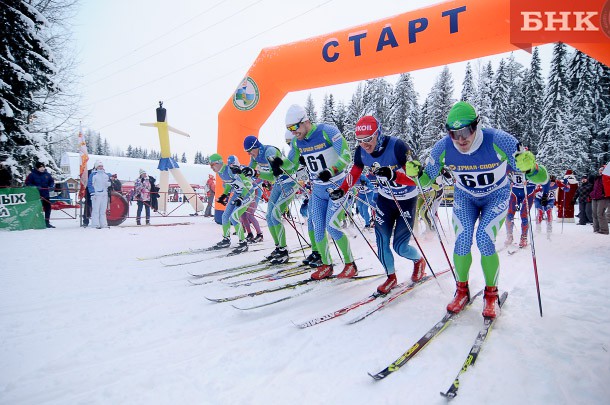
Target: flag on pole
{"points": [[84, 158]]}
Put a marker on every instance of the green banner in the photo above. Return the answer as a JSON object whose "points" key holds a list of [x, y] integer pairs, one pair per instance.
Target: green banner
{"points": [[20, 208]]}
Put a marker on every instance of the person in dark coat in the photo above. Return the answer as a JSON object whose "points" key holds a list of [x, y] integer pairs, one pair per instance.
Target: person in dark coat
{"points": [[585, 215], [154, 193], [43, 181]]}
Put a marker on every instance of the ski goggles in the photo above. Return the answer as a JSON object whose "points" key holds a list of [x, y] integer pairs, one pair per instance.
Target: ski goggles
{"points": [[368, 139], [294, 127], [462, 133]]}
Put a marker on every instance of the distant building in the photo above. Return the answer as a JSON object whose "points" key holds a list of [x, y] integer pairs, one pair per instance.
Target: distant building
{"points": [[128, 169]]}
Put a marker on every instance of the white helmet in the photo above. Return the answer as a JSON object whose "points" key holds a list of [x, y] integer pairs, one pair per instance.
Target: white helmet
{"points": [[288, 135]]}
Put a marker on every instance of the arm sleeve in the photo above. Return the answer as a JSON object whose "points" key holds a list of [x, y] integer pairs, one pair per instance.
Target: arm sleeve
{"points": [[340, 146], [434, 164], [401, 150], [293, 157], [355, 172]]}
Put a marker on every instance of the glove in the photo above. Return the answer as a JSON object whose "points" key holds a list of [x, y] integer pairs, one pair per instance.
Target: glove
{"points": [[276, 166], [235, 169], [336, 194], [525, 161], [325, 175], [302, 160], [248, 171], [238, 202], [414, 169], [544, 200], [385, 173], [223, 199]]}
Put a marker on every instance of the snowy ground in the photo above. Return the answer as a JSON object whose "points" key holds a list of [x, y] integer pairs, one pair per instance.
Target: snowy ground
{"points": [[82, 320]]}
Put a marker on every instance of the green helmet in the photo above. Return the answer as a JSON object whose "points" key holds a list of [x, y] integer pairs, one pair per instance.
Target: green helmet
{"points": [[215, 158], [461, 115]]}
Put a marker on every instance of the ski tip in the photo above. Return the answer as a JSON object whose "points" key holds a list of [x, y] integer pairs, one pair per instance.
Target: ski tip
{"points": [[298, 325], [448, 395], [375, 377], [213, 299]]}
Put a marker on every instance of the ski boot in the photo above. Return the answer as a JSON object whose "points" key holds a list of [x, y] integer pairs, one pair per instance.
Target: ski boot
{"points": [[419, 270], [491, 308], [349, 271], [387, 285], [250, 238], [224, 243], [272, 255], [313, 256], [461, 297], [523, 241], [258, 238], [242, 246], [138, 221], [324, 271], [281, 256], [509, 239]]}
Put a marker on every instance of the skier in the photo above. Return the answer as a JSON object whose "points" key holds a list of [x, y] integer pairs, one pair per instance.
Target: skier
{"points": [[325, 154], [365, 196], [236, 205], [546, 195], [386, 156], [517, 202], [479, 159], [282, 192]]}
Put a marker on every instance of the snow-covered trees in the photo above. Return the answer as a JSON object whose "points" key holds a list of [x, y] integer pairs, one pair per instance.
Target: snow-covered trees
{"points": [[531, 103], [26, 68]]}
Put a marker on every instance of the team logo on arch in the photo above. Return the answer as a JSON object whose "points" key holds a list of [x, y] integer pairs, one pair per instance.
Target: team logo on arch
{"points": [[246, 96]]}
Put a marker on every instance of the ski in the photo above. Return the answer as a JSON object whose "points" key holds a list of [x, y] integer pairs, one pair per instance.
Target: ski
{"points": [[273, 302], [174, 254], [208, 257], [421, 343], [249, 268], [474, 351], [282, 287], [276, 275], [394, 295]]}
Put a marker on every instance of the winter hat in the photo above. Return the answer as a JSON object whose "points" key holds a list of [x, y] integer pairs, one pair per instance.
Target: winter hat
{"points": [[569, 172], [142, 171], [215, 158], [232, 160], [288, 135], [367, 126], [461, 115], [39, 165], [97, 164], [295, 114], [251, 142]]}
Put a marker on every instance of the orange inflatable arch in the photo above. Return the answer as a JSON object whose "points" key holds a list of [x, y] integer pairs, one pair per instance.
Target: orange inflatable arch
{"points": [[445, 33]]}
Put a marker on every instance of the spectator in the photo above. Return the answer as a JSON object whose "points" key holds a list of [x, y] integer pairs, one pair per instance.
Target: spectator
{"points": [[142, 196], [154, 194], [211, 187], [6, 176], [43, 181], [99, 185], [583, 197], [116, 183], [601, 204]]}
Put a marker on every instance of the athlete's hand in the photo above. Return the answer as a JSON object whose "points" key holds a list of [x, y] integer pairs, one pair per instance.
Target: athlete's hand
{"points": [[544, 200], [525, 161], [302, 160], [248, 171], [385, 173], [223, 199], [235, 169], [238, 202], [414, 169], [336, 194], [325, 175]]}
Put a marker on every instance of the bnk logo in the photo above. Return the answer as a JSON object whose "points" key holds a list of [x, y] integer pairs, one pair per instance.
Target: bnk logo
{"points": [[544, 21]]}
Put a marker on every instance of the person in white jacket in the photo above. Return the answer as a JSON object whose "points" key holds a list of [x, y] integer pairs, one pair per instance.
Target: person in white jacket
{"points": [[98, 187]]}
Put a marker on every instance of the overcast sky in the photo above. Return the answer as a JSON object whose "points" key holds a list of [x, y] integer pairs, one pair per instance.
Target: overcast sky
{"points": [[193, 54]]}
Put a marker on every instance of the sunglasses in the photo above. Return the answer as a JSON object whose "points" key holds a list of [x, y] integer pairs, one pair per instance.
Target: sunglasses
{"points": [[462, 133], [367, 139], [294, 127]]}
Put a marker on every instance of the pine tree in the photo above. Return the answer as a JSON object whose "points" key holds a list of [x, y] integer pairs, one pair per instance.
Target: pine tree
{"points": [[341, 116], [183, 159], [499, 99], [355, 110], [468, 90], [438, 103], [514, 76], [311, 109], [580, 84], [484, 95], [554, 149], [404, 113], [378, 98], [328, 110], [532, 103], [26, 68], [600, 147]]}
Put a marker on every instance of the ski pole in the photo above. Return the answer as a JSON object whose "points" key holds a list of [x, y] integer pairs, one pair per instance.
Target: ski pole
{"points": [[421, 191], [404, 217], [532, 247]]}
